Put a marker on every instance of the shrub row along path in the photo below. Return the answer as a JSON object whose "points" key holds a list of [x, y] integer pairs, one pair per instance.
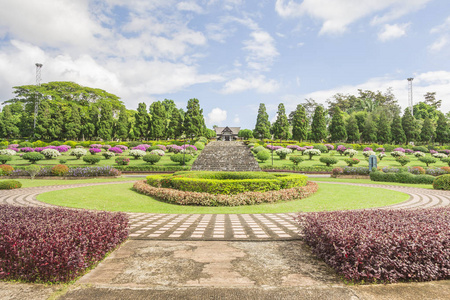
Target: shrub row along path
{"points": [[232, 227]]}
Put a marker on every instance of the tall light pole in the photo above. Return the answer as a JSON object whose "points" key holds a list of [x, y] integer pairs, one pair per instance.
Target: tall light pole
{"points": [[36, 100], [410, 95]]}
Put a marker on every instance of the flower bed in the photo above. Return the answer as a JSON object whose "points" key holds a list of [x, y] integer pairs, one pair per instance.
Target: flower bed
{"points": [[55, 244], [382, 245], [105, 171], [205, 199], [402, 177], [226, 182]]}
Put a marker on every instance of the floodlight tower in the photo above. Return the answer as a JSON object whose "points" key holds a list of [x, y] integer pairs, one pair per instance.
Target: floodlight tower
{"points": [[36, 100], [410, 95]]}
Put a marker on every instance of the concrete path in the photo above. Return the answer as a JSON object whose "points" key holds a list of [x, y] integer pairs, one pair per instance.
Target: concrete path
{"points": [[222, 227]]}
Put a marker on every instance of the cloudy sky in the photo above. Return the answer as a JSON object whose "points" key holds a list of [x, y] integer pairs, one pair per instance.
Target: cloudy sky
{"points": [[230, 54]]}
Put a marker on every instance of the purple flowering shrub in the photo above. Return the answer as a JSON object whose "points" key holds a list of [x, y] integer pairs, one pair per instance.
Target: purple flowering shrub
{"points": [[55, 244], [174, 148], [99, 146], [274, 148], [13, 146], [399, 149], [382, 245], [115, 150], [329, 147], [381, 149], [341, 149], [95, 150], [122, 147], [409, 151], [63, 148], [367, 149], [140, 147], [26, 149]]}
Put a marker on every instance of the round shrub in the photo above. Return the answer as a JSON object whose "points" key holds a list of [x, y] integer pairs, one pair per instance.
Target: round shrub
{"points": [[351, 161], [442, 182], [296, 159], [108, 155], [368, 153], [283, 152], [122, 161], [397, 153], [312, 152], [60, 170], [181, 158], [50, 153], [156, 147], [10, 184], [91, 159], [8, 152], [151, 158], [78, 152], [381, 155], [199, 145], [403, 160], [157, 152], [26, 144], [95, 150], [337, 172], [137, 154], [328, 160], [322, 148], [428, 160], [446, 160], [62, 161], [417, 170], [350, 152], [446, 169], [421, 149], [6, 170], [33, 157], [5, 158], [263, 155], [419, 154], [258, 148], [115, 150]]}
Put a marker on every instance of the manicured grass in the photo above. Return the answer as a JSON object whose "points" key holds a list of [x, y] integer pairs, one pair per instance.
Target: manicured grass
{"points": [[368, 181], [43, 182], [72, 161], [387, 161], [120, 197]]}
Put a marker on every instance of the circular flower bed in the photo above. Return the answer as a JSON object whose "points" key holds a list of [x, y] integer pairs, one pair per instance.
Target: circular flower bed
{"points": [[225, 188]]}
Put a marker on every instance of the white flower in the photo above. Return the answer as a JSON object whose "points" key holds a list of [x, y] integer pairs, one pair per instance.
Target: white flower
{"points": [[397, 153], [283, 151], [419, 154], [136, 153], [439, 155], [157, 152], [7, 152], [350, 152], [312, 152], [50, 153], [368, 153]]}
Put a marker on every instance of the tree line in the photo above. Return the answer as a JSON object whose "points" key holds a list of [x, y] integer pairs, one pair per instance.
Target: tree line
{"points": [[68, 111], [368, 117]]}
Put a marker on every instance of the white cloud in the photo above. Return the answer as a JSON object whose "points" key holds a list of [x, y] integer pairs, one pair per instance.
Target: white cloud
{"points": [[394, 31], [439, 44], [442, 28], [257, 83], [189, 6], [262, 50], [337, 15], [444, 38], [217, 116]]}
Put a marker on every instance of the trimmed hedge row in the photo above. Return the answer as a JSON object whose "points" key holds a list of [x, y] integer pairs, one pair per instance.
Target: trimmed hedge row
{"points": [[10, 184], [205, 199], [442, 182], [55, 244], [152, 168], [403, 177], [382, 245], [226, 182], [299, 168]]}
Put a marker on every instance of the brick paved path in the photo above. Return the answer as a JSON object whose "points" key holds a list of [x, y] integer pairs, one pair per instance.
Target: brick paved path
{"points": [[253, 227]]}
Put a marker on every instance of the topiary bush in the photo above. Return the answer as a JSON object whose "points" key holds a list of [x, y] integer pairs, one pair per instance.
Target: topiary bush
{"points": [[91, 159], [446, 160], [296, 159], [328, 160], [60, 170], [6, 170], [108, 154], [50, 153], [421, 149], [442, 182], [322, 148], [351, 161], [78, 153], [33, 157], [312, 152], [263, 155], [403, 160], [10, 184], [5, 158], [151, 158], [428, 160], [199, 145], [283, 152], [122, 161], [181, 158]]}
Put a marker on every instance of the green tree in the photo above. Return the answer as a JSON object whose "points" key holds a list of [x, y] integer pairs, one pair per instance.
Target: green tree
{"points": [[245, 134], [383, 129], [442, 129], [175, 129], [281, 125], [9, 128], [299, 124], [352, 129], [56, 124], [159, 121], [361, 117], [427, 132], [318, 125], [105, 124], [73, 124], [262, 127], [398, 135], [369, 134], [43, 121], [142, 122], [194, 123], [337, 126], [121, 128], [409, 125]]}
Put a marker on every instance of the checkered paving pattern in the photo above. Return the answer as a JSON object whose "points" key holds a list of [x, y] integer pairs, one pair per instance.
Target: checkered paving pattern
{"points": [[221, 227]]}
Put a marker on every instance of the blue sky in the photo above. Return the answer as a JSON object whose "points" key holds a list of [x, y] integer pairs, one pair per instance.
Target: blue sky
{"points": [[230, 54]]}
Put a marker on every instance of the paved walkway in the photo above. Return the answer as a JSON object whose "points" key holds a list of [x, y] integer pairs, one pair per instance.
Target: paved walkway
{"points": [[221, 227]]}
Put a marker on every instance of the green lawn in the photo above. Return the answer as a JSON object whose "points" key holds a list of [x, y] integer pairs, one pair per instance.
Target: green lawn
{"points": [[387, 161], [72, 161], [368, 181], [120, 197], [43, 182]]}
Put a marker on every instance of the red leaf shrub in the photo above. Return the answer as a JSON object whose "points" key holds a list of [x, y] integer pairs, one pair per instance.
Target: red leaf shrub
{"points": [[6, 170], [55, 244], [206, 199], [382, 245], [60, 170]]}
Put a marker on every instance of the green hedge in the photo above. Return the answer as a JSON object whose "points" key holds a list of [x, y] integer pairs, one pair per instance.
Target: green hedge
{"points": [[299, 168], [226, 182], [10, 184], [153, 168], [442, 182], [402, 177]]}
